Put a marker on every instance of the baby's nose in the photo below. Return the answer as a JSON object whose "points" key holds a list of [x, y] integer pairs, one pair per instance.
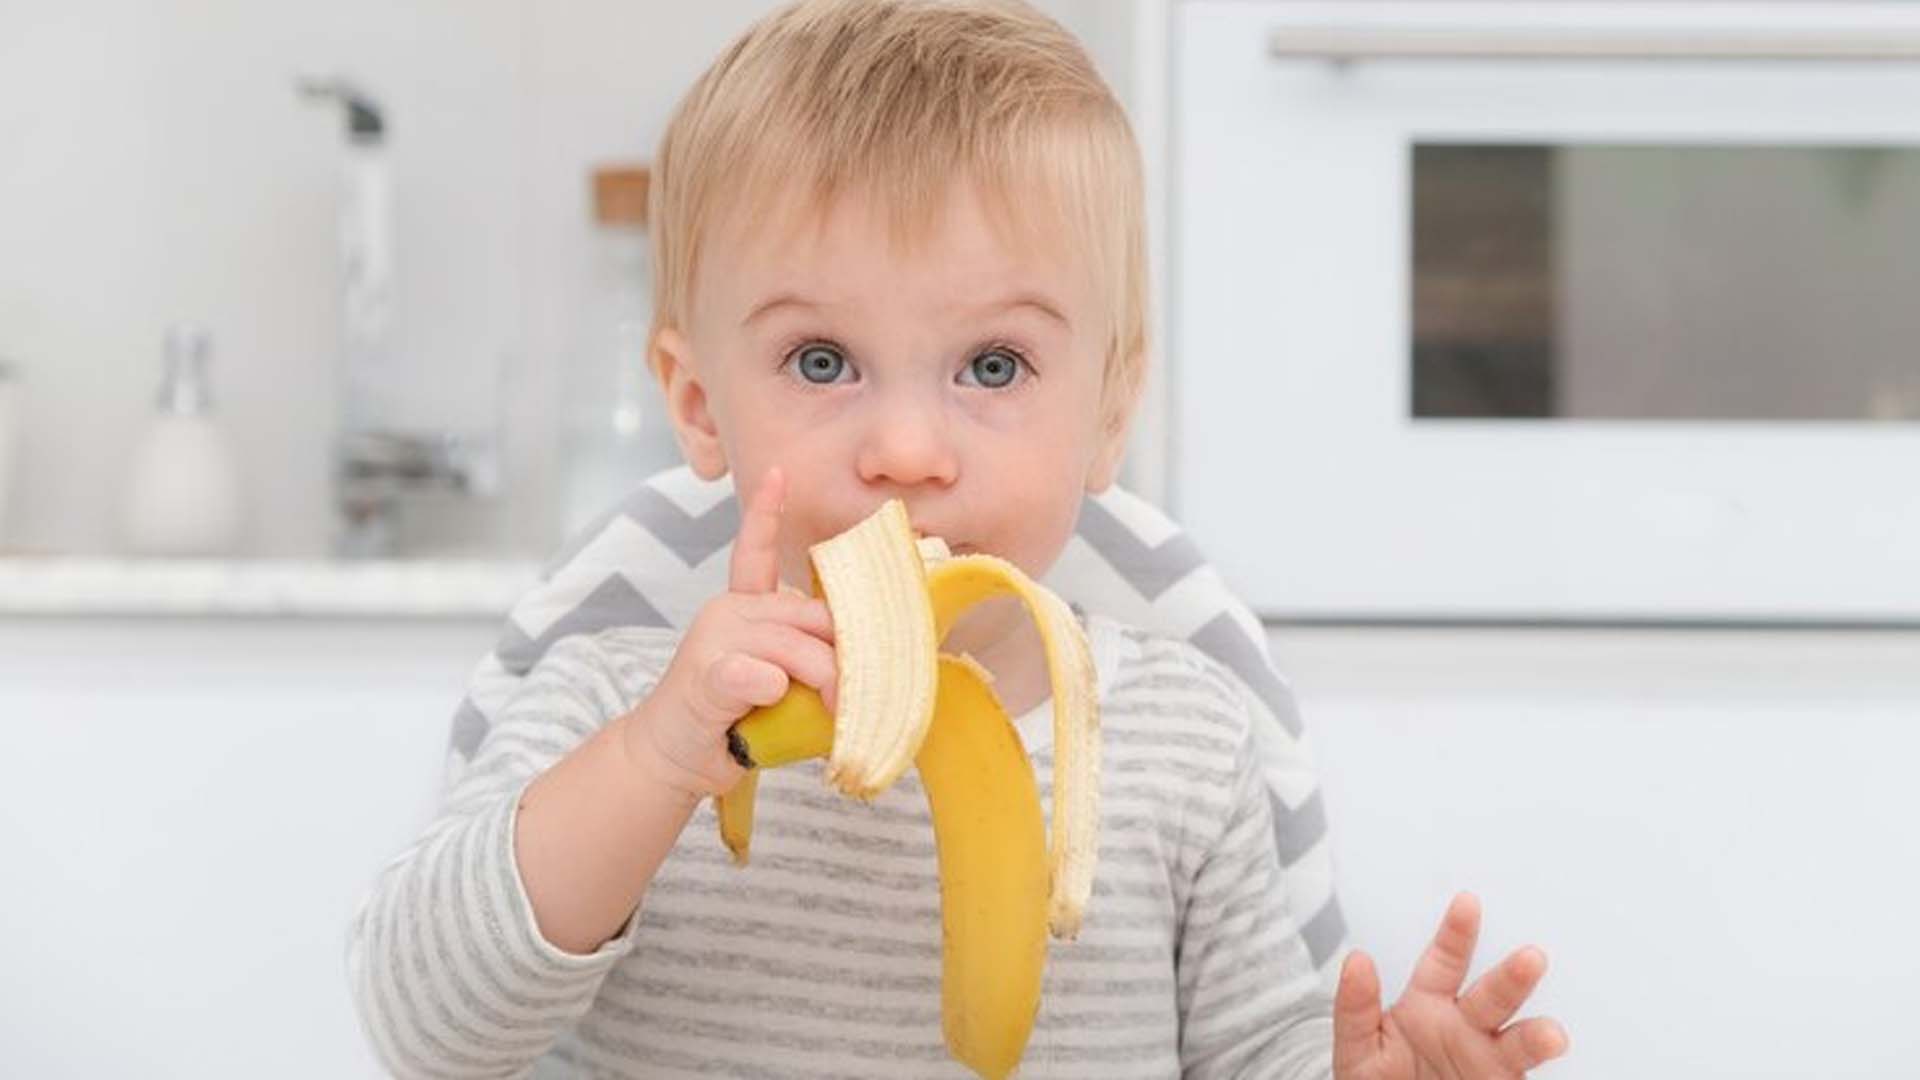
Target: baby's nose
{"points": [[908, 443]]}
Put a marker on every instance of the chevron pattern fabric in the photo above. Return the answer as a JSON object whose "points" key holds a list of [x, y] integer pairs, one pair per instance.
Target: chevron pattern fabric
{"points": [[659, 555]]}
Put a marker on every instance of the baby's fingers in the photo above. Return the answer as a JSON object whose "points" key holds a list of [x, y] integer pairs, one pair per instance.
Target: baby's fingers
{"points": [[1531, 1043], [792, 608], [1496, 996], [759, 671], [736, 682], [798, 653]]}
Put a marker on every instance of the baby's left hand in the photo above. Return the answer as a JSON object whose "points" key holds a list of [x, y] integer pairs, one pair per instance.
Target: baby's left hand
{"points": [[1432, 1033]]}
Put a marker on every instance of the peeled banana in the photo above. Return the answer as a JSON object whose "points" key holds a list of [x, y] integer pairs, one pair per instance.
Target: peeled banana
{"points": [[1002, 886], [876, 588]]}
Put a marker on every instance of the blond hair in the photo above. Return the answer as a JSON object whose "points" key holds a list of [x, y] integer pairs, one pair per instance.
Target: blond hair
{"points": [[901, 98]]}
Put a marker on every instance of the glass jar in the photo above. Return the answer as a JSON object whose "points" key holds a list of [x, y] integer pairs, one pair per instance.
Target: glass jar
{"points": [[615, 431]]}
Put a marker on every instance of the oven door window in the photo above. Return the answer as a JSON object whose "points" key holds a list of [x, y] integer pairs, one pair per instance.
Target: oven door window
{"points": [[1665, 282]]}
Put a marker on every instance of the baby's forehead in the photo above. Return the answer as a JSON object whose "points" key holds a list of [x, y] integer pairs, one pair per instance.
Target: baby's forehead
{"points": [[854, 246]]}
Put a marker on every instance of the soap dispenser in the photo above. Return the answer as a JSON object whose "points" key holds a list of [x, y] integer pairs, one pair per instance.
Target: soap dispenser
{"points": [[183, 489]]}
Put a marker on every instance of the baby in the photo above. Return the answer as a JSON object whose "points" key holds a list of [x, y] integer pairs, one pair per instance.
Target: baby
{"points": [[899, 253]]}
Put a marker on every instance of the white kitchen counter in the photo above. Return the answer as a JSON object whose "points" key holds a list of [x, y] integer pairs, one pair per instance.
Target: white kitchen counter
{"points": [[404, 588]]}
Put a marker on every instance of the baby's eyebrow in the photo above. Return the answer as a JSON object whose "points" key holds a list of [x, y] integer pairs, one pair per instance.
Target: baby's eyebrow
{"points": [[1038, 301], [776, 302], [1033, 300]]}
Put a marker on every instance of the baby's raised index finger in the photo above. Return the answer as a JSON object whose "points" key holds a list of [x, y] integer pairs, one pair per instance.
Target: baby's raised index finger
{"points": [[1443, 967], [756, 552]]}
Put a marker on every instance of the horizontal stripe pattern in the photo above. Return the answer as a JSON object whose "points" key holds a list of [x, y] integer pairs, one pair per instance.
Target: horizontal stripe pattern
{"points": [[821, 958]]}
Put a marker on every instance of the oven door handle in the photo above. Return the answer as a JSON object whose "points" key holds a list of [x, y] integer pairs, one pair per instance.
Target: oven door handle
{"points": [[1346, 44]]}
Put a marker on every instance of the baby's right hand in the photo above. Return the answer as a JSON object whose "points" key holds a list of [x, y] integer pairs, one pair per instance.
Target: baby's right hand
{"points": [[741, 651]]}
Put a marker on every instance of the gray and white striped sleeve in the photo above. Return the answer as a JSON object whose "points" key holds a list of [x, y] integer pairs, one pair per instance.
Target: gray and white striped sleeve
{"points": [[1251, 1002], [448, 968]]}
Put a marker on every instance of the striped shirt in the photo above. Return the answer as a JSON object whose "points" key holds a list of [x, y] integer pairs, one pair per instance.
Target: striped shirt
{"points": [[821, 958]]}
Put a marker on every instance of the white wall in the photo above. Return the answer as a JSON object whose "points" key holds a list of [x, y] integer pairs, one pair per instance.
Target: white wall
{"points": [[1710, 832], [158, 167]]}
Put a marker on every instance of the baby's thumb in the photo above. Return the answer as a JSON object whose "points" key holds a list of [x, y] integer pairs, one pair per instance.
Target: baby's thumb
{"points": [[1356, 1014]]}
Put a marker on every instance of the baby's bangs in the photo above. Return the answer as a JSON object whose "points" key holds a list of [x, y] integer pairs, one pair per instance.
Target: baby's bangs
{"points": [[1050, 189]]}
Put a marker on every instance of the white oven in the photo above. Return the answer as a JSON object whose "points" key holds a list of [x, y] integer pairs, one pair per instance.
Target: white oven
{"points": [[1560, 311]]}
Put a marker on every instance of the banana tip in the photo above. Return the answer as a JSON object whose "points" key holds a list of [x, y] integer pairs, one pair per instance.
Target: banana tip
{"points": [[738, 750]]}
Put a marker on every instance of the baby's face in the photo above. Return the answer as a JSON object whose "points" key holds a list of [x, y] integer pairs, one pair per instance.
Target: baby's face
{"points": [[962, 377]]}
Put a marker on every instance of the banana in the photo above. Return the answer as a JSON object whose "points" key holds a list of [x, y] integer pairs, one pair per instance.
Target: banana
{"points": [[1004, 884], [735, 811], [876, 587], [992, 848], [792, 729], [933, 549]]}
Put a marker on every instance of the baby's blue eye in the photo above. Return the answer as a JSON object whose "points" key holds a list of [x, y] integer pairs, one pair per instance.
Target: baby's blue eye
{"points": [[821, 364], [994, 368]]}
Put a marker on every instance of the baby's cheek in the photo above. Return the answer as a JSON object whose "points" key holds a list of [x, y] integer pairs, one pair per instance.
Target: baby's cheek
{"points": [[1045, 529]]}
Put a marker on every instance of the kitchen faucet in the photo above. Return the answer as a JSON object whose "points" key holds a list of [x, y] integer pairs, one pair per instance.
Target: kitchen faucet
{"points": [[376, 463], [375, 470]]}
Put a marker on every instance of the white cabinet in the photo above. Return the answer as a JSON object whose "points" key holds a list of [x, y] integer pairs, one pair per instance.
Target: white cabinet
{"points": [[190, 809]]}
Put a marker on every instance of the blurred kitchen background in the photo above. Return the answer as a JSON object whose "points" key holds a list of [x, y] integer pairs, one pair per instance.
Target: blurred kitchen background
{"points": [[1543, 373]]}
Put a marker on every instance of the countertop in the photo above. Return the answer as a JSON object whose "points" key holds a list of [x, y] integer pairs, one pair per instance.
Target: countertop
{"points": [[401, 588]]}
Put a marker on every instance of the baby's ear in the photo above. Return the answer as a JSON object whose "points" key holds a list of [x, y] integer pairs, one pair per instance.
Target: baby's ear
{"points": [[671, 359], [1116, 419], [1105, 467]]}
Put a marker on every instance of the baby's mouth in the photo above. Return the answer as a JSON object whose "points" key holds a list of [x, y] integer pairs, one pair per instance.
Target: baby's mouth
{"points": [[921, 532], [956, 547]]}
